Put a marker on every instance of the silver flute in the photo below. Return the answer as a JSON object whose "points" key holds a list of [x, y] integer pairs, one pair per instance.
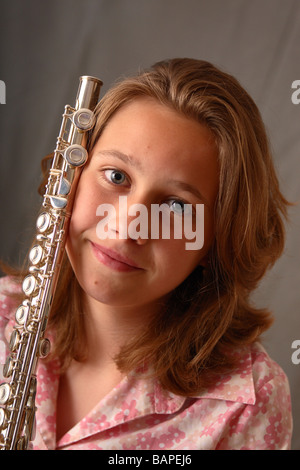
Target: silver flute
{"points": [[27, 341]]}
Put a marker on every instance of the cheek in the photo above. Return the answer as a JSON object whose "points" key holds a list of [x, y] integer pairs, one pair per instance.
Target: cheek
{"points": [[174, 261], [198, 237], [85, 206]]}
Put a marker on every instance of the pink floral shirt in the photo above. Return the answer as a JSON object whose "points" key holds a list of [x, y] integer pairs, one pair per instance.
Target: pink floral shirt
{"points": [[248, 409]]}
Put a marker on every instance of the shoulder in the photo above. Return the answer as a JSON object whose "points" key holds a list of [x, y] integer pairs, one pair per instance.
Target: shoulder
{"points": [[254, 371], [246, 409], [265, 422], [9, 288], [265, 369], [8, 301], [9, 285]]}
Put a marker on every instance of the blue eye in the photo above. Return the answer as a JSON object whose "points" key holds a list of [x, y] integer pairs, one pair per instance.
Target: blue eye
{"points": [[115, 176], [179, 207]]}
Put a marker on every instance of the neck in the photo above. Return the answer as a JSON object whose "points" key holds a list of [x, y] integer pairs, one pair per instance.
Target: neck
{"points": [[108, 327]]}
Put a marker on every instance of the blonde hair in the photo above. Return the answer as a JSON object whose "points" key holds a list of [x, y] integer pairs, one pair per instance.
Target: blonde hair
{"points": [[192, 341]]}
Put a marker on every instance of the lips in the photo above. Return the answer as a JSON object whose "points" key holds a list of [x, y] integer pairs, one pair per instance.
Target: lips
{"points": [[113, 259]]}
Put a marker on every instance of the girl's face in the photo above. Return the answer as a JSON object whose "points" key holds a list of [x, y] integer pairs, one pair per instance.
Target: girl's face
{"points": [[149, 155]]}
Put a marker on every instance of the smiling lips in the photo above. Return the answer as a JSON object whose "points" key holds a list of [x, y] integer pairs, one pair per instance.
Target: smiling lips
{"points": [[113, 259]]}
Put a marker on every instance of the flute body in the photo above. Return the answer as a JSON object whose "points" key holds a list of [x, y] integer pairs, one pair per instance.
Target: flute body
{"points": [[28, 342]]}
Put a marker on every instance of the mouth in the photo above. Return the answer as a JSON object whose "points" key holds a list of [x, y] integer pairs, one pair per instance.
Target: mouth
{"points": [[113, 259]]}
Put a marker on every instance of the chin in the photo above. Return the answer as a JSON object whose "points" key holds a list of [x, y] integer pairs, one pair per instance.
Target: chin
{"points": [[104, 293]]}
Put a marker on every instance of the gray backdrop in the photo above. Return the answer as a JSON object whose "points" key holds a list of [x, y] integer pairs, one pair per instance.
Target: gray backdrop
{"points": [[45, 45]]}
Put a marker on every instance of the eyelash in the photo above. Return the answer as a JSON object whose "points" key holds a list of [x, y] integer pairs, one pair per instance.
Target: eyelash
{"points": [[169, 201]]}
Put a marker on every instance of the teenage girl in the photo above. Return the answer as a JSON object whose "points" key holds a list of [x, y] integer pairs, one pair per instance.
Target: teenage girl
{"points": [[156, 346]]}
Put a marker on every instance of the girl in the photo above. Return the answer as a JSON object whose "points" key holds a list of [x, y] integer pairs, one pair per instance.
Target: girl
{"points": [[156, 346]]}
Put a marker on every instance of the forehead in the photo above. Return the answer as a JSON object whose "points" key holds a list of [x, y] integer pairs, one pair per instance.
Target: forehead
{"points": [[162, 144], [157, 124]]}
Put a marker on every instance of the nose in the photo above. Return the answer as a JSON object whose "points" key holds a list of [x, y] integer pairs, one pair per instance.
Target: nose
{"points": [[131, 220]]}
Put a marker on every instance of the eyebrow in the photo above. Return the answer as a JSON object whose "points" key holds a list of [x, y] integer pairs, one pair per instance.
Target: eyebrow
{"points": [[129, 160], [121, 156], [189, 188]]}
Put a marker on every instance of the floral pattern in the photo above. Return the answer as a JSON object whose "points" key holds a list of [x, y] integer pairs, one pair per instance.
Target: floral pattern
{"points": [[247, 409]]}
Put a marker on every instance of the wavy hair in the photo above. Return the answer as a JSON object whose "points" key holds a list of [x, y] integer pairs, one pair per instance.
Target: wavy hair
{"points": [[192, 341]]}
